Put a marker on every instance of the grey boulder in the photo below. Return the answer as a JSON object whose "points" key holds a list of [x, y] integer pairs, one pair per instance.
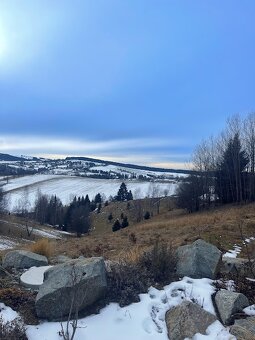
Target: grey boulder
{"points": [[71, 286], [20, 259], [235, 266], [229, 303], [244, 329], [198, 260], [187, 319]]}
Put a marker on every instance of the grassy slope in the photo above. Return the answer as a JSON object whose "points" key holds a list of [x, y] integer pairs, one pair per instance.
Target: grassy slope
{"points": [[219, 226]]}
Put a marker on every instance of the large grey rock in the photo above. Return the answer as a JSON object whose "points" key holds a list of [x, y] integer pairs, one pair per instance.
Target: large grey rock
{"points": [[20, 259], [60, 259], [80, 282], [235, 266], [198, 260], [229, 303], [187, 319], [244, 329]]}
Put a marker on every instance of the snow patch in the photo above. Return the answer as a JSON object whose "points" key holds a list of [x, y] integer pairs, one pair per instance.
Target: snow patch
{"points": [[143, 320], [33, 277], [250, 310], [233, 253]]}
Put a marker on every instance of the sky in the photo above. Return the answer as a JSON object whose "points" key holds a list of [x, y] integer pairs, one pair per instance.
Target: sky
{"points": [[138, 81]]}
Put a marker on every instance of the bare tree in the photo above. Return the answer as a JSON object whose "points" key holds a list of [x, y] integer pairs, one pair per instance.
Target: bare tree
{"points": [[249, 144], [138, 209], [204, 162], [3, 201], [41, 205], [68, 331]]}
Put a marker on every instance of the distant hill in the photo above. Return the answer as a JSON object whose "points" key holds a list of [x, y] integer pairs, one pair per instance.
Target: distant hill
{"points": [[9, 158], [85, 166], [130, 166]]}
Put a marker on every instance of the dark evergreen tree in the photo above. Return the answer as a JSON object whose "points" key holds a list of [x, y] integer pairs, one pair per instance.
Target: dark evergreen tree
{"points": [[122, 194], [124, 223], [99, 208], [98, 198], [80, 219], [189, 193], [147, 215], [230, 176], [93, 205], [116, 226], [110, 217], [130, 196]]}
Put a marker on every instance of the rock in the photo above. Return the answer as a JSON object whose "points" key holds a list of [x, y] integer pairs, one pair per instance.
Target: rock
{"points": [[244, 329], [235, 266], [20, 259], [80, 280], [229, 303], [187, 319], [60, 259], [198, 260]]}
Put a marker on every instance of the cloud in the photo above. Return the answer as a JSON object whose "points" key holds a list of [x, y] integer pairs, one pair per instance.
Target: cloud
{"points": [[135, 150]]}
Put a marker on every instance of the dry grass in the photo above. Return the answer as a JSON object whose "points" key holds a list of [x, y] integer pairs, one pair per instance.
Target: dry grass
{"points": [[220, 226], [42, 247]]}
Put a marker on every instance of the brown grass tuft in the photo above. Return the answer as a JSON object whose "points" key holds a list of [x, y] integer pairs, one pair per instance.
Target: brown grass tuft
{"points": [[42, 247]]}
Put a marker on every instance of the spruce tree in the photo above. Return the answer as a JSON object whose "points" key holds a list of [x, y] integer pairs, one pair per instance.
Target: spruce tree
{"points": [[116, 226], [122, 194], [124, 223]]}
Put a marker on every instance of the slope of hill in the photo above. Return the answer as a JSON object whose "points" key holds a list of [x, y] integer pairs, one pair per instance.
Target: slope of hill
{"points": [[85, 167]]}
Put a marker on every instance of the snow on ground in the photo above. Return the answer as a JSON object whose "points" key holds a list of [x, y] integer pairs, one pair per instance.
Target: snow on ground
{"points": [[250, 310], [144, 320], [7, 313], [66, 187], [237, 249], [19, 182], [6, 243], [34, 276], [137, 172], [233, 253], [43, 232], [248, 240]]}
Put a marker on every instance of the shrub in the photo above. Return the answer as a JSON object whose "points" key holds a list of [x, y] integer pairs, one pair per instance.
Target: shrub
{"points": [[110, 217], [42, 247], [124, 223], [136, 272], [125, 282], [147, 215], [160, 262], [21, 301], [116, 226], [12, 330]]}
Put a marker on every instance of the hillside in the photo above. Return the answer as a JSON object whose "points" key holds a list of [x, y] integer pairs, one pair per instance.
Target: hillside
{"points": [[85, 167]]}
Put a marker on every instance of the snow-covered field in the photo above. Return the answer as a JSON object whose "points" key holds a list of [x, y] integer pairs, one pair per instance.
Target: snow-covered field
{"points": [[66, 187], [123, 170], [21, 182], [139, 321]]}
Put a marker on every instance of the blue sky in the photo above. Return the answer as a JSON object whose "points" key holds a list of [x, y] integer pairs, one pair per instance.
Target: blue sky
{"points": [[140, 81]]}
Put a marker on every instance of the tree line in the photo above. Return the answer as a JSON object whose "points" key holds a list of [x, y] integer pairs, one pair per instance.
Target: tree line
{"points": [[224, 168], [74, 217]]}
